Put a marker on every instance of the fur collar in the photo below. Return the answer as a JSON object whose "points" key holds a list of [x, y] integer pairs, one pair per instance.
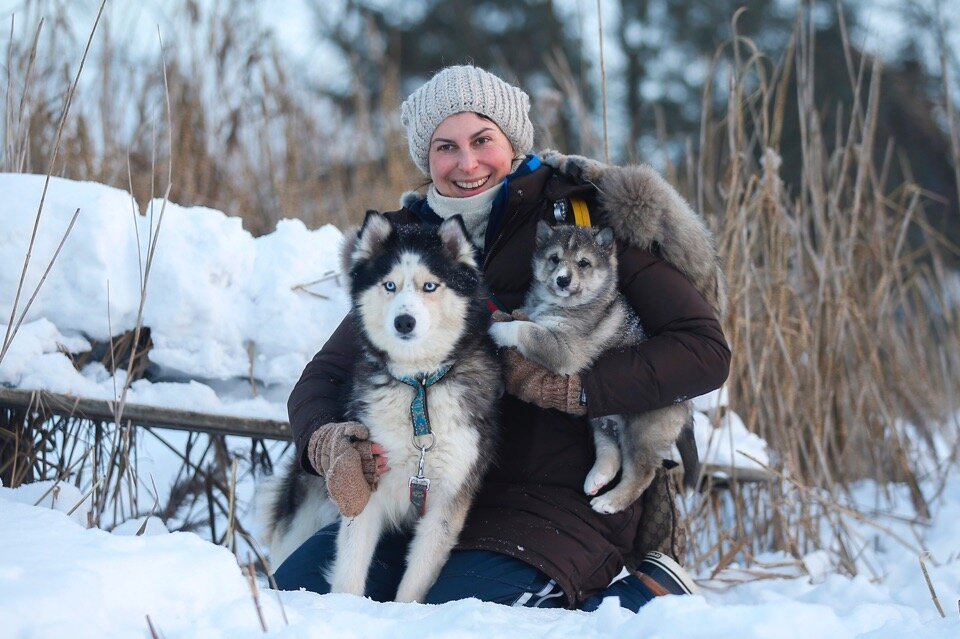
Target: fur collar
{"points": [[643, 209]]}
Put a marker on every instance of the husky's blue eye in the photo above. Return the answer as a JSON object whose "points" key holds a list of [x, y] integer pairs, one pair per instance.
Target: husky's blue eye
{"points": [[554, 259], [390, 286], [430, 287], [583, 263]]}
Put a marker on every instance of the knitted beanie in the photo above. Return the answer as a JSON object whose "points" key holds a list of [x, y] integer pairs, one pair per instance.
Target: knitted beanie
{"points": [[465, 88]]}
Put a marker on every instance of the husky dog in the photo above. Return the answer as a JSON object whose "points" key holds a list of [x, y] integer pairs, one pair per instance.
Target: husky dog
{"points": [[573, 313], [417, 294]]}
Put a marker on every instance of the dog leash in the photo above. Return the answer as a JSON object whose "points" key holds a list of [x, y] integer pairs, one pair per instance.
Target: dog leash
{"points": [[420, 420]]}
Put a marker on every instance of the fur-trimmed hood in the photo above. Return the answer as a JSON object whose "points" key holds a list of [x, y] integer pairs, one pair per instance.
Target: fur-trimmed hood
{"points": [[644, 210]]}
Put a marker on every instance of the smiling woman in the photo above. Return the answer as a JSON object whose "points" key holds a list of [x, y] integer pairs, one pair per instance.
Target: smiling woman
{"points": [[531, 537]]}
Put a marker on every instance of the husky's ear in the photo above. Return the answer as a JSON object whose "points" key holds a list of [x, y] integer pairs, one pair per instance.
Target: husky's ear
{"points": [[543, 232], [604, 237], [456, 242], [370, 238]]}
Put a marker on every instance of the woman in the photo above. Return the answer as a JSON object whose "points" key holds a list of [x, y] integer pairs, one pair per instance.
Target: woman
{"points": [[532, 538]]}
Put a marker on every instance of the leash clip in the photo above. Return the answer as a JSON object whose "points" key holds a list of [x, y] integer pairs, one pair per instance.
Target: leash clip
{"points": [[420, 485]]}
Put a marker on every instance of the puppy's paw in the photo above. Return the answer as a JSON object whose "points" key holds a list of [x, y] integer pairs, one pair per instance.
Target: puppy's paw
{"points": [[607, 504], [596, 479], [505, 334]]}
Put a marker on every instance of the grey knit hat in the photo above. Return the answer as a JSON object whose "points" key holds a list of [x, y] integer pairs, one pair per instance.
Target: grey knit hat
{"points": [[465, 88]]}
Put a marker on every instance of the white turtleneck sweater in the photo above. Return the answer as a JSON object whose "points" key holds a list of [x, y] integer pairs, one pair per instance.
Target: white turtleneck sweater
{"points": [[475, 210]]}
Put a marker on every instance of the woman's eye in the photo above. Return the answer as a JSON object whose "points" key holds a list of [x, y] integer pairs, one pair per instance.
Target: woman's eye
{"points": [[583, 263], [430, 287], [390, 286], [482, 140], [443, 148], [554, 259]]}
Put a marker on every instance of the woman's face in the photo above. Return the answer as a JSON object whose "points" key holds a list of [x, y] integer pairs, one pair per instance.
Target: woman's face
{"points": [[468, 155]]}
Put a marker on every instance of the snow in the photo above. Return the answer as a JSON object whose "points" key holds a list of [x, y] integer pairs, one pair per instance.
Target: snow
{"points": [[62, 579], [218, 300]]}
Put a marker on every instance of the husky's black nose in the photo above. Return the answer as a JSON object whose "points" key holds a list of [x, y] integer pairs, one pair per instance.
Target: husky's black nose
{"points": [[404, 323], [563, 281]]}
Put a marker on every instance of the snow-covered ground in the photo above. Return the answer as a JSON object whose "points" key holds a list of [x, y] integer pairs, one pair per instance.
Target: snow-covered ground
{"points": [[60, 579], [224, 306]]}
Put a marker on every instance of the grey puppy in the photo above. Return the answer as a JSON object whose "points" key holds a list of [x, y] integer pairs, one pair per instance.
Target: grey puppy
{"points": [[574, 313]]}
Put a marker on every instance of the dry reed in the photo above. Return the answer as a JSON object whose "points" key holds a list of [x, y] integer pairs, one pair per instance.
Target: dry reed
{"points": [[839, 323]]}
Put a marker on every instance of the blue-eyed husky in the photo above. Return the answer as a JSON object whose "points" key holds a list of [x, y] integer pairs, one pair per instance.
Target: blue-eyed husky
{"points": [[418, 298]]}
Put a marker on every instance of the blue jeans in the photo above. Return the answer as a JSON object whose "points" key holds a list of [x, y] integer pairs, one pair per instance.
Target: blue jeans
{"points": [[482, 574]]}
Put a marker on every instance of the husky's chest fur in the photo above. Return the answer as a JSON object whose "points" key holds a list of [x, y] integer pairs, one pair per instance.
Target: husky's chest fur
{"points": [[384, 407]]}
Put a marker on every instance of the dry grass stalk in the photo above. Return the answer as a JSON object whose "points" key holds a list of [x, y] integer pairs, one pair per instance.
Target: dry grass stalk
{"points": [[254, 591], [153, 631], [265, 563], [603, 84], [231, 507], [926, 576]]}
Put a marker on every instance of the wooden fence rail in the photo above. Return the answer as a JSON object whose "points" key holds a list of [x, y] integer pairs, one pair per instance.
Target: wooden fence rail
{"points": [[57, 404]]}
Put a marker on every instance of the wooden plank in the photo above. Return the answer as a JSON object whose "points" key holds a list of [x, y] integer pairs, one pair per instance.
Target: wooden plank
{"points": [[143, 415]]}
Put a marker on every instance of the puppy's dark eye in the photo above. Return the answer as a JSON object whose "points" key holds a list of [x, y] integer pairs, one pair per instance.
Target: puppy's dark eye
{"points": [[584, 263], [390, 286], [430, 287], [554, 259]]}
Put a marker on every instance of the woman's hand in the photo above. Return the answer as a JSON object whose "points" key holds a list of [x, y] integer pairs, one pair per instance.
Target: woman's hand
{"points": [[342, 453], [532, 383]]}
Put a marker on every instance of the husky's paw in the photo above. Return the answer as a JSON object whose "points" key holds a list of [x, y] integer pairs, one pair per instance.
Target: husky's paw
{"points": [[351, 584], [350, 589], [596, 479], [607, 504], [505, 334], [408, 595]]}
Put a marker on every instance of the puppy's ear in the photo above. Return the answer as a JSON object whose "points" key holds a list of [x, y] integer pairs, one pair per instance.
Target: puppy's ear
{"points": [[543, 232], [456, 243], [604, 237], [369, 240]]}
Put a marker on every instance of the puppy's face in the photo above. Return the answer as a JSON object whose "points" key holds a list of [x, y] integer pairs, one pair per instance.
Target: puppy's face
{"points": [[574, 264]]}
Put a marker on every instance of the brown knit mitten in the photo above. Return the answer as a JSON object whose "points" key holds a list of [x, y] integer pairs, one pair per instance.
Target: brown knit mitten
{"points": [[516, 314], [533, 383], [341, 453]]}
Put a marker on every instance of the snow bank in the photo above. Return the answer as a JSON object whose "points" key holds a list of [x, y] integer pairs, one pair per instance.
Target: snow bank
{"points": [[220, 303], [60, 579]]}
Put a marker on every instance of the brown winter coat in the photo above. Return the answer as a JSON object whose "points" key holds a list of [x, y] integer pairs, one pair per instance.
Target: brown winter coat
{"points": [[532, 504]]}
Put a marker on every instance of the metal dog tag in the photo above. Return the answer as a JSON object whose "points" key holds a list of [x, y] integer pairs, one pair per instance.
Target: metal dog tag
{"points": [[419, 487]]}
